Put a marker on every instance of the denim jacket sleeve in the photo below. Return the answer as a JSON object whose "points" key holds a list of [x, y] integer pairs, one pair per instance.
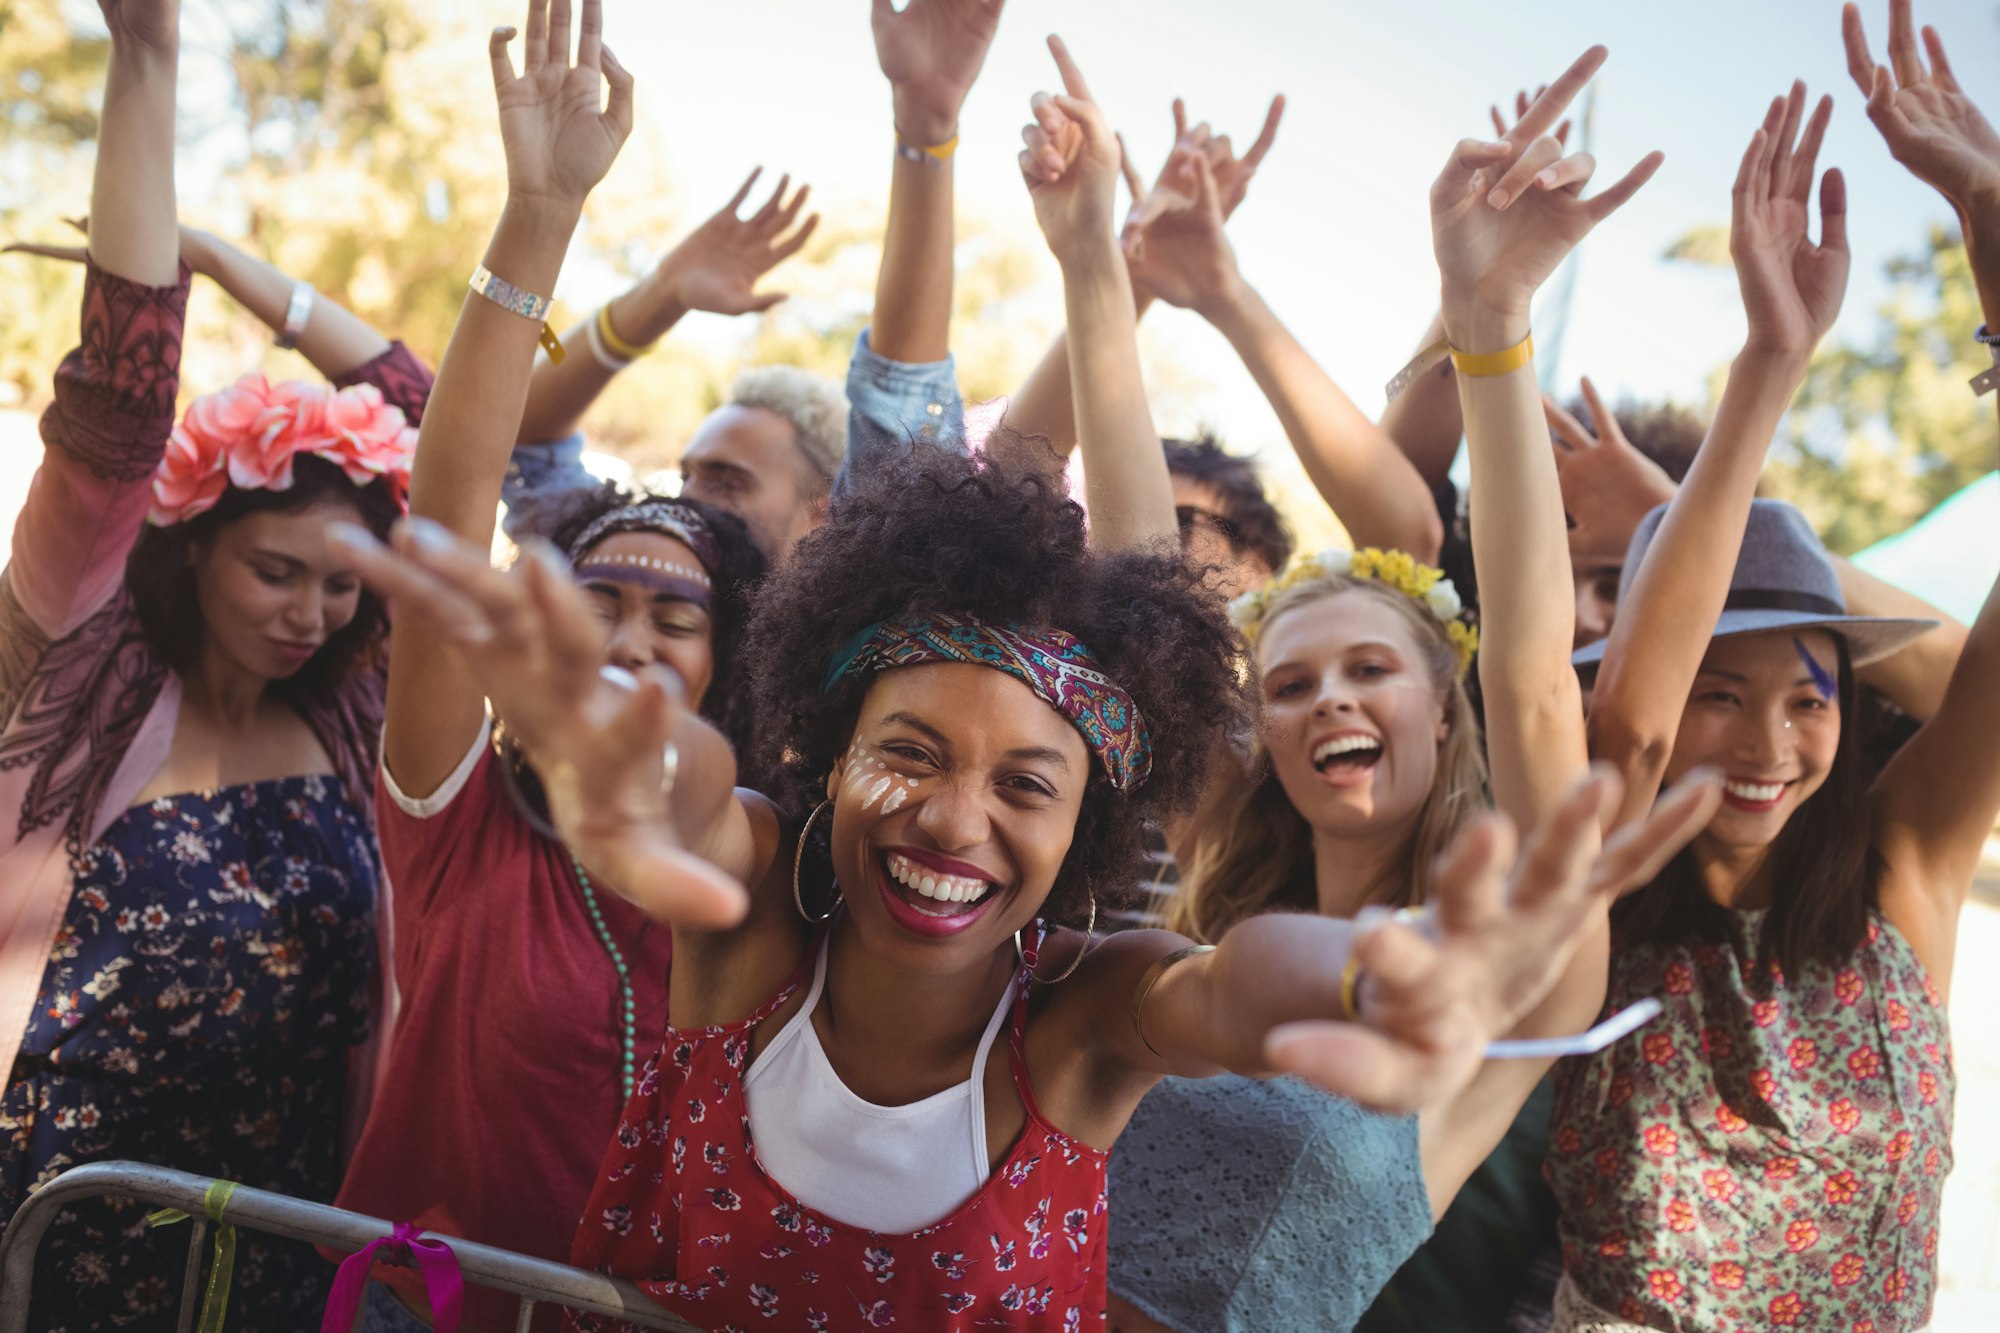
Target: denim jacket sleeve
{"points": [[894, 405]]}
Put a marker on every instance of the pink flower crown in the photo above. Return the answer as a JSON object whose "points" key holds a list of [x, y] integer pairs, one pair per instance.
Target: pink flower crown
{"points": [[248, 434]]}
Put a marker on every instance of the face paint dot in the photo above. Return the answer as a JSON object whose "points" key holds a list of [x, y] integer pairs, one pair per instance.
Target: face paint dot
{"points": [[911, 781]]}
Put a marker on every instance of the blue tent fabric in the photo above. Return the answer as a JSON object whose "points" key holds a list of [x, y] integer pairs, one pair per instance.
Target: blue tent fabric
{"points": [[1951, 557]]}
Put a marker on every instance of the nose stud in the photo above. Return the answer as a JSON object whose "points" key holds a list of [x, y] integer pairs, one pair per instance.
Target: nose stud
{"points": [[1788, 726]]}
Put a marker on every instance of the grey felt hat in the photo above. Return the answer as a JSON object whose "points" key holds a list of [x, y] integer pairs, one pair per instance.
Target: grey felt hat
{"points": [[1783, 580]]}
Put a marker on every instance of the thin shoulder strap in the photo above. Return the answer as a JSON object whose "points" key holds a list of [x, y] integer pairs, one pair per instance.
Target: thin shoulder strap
{"points": [[1017, 1036]]}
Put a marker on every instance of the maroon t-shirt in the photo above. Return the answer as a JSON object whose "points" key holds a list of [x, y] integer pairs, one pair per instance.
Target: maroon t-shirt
{"points": [[503, 1084]]}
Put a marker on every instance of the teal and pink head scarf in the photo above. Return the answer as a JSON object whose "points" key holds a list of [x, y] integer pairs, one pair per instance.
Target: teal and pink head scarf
{"points": [[1051, 662]]}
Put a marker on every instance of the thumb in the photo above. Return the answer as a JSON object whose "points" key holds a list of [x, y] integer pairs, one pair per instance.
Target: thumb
{"points": [[758, 304], [1468, 159]]}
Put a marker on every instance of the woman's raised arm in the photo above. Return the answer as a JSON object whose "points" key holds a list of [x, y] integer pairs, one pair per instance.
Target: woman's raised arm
{"points": [[560, 139]]}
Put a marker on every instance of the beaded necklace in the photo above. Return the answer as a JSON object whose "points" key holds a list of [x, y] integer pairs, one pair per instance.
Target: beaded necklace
{"points": [[618, 962]]}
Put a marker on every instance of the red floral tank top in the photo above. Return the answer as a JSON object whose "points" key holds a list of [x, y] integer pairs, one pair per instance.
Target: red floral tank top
{"points": [[683, 1207], [1756, 1159]]}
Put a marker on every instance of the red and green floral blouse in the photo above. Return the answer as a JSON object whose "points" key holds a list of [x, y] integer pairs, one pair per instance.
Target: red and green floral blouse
{"points": [[1760, 1157]]}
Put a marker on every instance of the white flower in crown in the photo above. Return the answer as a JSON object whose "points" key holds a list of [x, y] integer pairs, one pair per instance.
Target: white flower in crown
{"points": [[1335, 561], [1246, 610], [1443, 600]]}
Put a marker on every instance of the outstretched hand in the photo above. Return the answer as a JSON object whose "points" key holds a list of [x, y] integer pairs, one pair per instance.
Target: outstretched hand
{"points": [[1071, 163], [1173, 237], [560, 135], [1929, 123], [1430, 1000], [1791, 288], [716, 267], [931, 52], [596, 735], [1608, 486], [1505, 213], [197, 247]]}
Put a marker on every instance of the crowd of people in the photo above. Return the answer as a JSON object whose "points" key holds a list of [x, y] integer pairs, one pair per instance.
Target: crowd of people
{"points": [[1539, 915]]}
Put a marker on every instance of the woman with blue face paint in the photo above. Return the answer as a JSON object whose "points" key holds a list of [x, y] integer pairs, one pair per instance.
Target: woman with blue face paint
{"points": [[1771, 1153]]}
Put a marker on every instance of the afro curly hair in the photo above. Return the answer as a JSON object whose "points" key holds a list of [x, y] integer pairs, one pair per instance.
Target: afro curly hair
{"points": [[941, 532]]}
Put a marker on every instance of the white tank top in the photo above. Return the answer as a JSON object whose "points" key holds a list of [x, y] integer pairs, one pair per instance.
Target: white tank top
{"points": [[892, 1169]]}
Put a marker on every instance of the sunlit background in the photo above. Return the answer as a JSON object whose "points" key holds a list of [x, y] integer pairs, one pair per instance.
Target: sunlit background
{"points": [[352, 141]]}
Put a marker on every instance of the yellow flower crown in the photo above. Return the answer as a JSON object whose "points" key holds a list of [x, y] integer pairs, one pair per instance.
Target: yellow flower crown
{"points": [[1422, 584]]}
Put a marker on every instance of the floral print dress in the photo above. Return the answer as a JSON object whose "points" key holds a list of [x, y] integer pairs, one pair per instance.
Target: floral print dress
{"points": [[683, 1207], [1760, 1156], [197, 1011]]}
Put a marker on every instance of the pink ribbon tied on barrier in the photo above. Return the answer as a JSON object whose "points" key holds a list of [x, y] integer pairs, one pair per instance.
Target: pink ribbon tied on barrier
{"points": [[433, 1260]]}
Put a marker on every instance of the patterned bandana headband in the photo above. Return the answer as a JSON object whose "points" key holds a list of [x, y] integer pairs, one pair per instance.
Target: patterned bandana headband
{"points": [[1048, 661], [249, 434], [1419, 582], [662, 517]]}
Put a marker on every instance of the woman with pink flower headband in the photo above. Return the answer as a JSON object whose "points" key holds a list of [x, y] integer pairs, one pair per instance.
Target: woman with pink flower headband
{"points": [[190, 690]]}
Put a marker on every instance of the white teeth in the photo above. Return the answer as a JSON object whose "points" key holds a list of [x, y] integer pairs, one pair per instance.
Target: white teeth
{"points": [[1755, 792], [1344, 745], [944, 888]]}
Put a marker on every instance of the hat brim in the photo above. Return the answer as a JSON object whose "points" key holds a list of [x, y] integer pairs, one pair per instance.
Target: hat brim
{"points": [[1869, 638]]}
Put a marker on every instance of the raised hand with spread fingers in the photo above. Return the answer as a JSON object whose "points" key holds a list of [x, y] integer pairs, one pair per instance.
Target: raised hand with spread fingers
{"points": [[931, 51], [1071, 164], [1607, 484], [1791, 287], [560, 134]]}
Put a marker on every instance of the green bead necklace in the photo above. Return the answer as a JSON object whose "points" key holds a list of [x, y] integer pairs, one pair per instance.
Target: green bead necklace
{"points": [[624, 973]]}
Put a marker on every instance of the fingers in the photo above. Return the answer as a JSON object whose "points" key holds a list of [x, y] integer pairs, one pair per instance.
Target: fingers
{"points": [[1571, 173], [496, 51], [1043, 107], [1940, 67], [1805, 160], [1180, 120], [1499, 121], [1833, 210], [1568, 433], [1550, 105], [468, 573], [1208, 195], [1134, 182], [1461, 172], [78, 224], [1746, 169], [1636, 854], [575, 640], [793, 246], [618, 109], [763, 216], [535, 51], [1615, 198], [1559, 859], [1788, 130], [1860, 65], [74, 254], [1600, 415], [413, 590], [590, 39], [1541, 153], [1903, 55], [1269, 134], [742, 193], [559, 25], [1072, 77], [1467, 884]]}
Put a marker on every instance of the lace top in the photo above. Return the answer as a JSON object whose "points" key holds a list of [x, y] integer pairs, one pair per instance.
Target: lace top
{"points": [[1242, 1203]]}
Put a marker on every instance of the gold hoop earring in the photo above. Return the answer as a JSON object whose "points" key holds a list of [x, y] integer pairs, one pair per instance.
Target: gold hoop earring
{"points": [[798, 863], [1089, 929]]}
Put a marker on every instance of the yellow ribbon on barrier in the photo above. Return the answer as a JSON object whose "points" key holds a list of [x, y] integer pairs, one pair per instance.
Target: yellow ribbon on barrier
{"points": [[215, 1300]]}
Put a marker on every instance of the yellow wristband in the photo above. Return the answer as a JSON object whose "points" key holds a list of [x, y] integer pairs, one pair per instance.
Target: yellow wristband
{"points": [[941, 151], [1485, 365], [616, 345], [1350, 979]]}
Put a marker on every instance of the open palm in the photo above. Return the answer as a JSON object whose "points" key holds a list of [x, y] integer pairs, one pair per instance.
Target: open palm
{"points": [[931, 52], [559, 136], [717, 266], [1930, 125], [1792, 288]]}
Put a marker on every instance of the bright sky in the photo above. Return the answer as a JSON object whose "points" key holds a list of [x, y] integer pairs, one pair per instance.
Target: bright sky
{"points": [[1335, 230]]}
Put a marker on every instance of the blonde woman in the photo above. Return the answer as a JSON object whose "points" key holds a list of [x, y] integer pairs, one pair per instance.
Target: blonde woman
{"points": [[1368, 760]]}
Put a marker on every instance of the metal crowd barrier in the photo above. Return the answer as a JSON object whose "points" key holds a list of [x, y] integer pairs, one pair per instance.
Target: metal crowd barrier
{"points": [[535, 1281]]}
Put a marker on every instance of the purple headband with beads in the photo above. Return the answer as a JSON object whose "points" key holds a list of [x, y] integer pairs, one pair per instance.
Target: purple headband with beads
{"points": [[1049, 661]]}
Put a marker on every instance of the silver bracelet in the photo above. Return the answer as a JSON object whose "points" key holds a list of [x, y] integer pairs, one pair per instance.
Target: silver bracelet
{"points": [[296, 314]]}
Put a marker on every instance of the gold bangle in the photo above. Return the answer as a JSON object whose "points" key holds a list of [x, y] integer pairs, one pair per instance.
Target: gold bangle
{"points": [[616, 345], [1147, 982], [1350, 981], [1486, 365]]}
